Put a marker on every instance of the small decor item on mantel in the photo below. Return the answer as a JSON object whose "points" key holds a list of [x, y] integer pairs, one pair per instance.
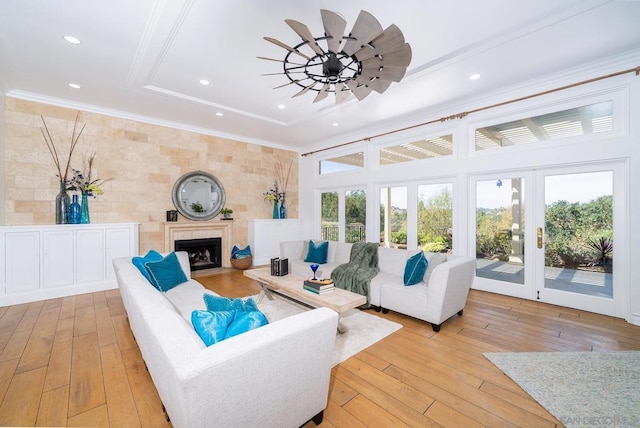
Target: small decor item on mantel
{"points": [[82, 182], [226, 213], [62, 199]]}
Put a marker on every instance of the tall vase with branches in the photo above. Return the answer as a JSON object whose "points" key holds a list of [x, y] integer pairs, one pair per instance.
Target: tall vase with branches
{"points": [[282, 176], [62, 199]]}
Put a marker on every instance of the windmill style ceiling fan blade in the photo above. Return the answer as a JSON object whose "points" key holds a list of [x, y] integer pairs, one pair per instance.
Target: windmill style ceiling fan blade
{"points": [[279, 60], [304, 90], [360, 91], [303, 31], [367, 59], [322, 94], [364, 30], [391, 39], [334, 26], [342, 93], [284, 46]]}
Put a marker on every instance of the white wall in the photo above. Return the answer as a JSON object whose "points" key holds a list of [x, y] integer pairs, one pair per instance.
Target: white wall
{"points": [[2, 138], [623, 146]]}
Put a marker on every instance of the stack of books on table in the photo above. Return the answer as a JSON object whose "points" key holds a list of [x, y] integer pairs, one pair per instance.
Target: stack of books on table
{"points": [[318, 286]]}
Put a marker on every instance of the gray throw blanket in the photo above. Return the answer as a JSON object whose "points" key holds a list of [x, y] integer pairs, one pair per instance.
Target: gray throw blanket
{"points": [[356, 275]]}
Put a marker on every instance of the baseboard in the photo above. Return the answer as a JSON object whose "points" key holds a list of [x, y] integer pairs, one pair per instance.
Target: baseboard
{"points": [[54, 293], [634, 319]]}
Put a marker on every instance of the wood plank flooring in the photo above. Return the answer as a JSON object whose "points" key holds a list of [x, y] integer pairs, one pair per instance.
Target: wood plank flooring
{"points": [[74, 362]]}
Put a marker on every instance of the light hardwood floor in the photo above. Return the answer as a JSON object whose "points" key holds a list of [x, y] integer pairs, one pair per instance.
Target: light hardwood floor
{"points": [[74, 362]]}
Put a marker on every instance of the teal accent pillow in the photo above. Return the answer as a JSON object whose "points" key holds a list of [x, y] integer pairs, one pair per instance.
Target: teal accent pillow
{"points": [[317, 253], [151, 256], [166, 273], [237, 253], [246, 321], [415, 268], [212, 326], [216, 303]]}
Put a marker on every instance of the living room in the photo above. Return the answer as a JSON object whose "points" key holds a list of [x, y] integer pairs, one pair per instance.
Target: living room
{"points": [[140, 157]]}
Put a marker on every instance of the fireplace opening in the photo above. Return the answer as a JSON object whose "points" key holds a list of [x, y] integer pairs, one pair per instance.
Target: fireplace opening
{"points": [[203, 253]]}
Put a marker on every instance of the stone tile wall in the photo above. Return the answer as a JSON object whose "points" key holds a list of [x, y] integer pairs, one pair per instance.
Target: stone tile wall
{"points": [[142, 162]]}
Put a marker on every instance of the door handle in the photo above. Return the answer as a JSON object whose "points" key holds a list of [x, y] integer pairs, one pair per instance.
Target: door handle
{"points": [[539, 237]]}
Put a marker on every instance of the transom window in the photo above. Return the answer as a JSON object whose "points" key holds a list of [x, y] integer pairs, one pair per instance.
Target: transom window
{"points": [[350, 162], [417, 150], [575, 122]]}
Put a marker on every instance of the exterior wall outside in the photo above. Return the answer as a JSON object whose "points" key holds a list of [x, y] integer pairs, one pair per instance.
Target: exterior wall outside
{"points": [[465, 163], [142, 162]]}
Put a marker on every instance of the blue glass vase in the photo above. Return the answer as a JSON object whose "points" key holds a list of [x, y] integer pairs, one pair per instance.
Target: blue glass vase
{"points": [[84, 210], [74, 211], [283, 209]]}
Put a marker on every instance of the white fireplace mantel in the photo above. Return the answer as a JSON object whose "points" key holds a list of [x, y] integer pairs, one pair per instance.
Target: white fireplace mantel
{"points": [[174, 231]]}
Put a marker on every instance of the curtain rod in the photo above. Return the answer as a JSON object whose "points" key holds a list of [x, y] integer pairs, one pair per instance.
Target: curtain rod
{"points": [[466, 113]]}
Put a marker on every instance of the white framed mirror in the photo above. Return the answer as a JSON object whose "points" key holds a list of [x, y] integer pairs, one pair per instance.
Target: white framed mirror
{"points": [[198, 195]]}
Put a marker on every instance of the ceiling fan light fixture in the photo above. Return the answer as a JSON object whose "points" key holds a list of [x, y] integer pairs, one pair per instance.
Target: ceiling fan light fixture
{"points": [[365, 59]]}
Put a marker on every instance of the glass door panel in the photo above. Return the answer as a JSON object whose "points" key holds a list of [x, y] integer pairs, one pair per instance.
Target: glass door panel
{"points": [[329, 221], [355, 207], [500, 229], [393, 217], [435, 218], [578, 241]]}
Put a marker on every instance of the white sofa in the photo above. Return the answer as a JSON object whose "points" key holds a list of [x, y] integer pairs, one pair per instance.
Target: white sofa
{"points": [[275, 375], [442, 293]]}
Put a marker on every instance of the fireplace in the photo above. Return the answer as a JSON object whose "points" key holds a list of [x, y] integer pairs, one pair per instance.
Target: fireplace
{"points": [[203, 253]]}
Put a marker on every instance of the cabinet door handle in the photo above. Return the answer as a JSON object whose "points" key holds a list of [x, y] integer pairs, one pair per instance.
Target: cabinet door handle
{"points": [[539, 237]]}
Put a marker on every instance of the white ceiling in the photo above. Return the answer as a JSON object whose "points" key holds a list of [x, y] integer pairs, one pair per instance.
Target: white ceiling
{"points": [[143, 59]]}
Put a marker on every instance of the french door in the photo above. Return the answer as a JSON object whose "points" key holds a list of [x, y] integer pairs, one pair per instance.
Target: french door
{"points": [[549, 235]]}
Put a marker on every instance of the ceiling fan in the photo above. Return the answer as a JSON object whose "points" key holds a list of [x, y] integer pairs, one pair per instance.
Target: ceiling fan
{"points": [[367, 59]]}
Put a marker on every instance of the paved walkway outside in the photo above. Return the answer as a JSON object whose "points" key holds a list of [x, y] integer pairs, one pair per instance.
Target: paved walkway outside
{"points": [[577, 281]]}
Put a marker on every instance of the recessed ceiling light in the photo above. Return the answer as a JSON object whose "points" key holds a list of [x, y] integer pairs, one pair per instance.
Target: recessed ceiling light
{"points": [[335, 124], [74, 85], [72, 40], [281, 106], [204, 82], [474, 77], [219, 114]]}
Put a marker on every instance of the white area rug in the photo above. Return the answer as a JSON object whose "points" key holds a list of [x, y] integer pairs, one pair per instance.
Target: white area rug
{"points": [[361, 329], [594, 389]]}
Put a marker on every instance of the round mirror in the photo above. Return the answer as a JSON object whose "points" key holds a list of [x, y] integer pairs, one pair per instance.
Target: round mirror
{"points": [[198, 195]]}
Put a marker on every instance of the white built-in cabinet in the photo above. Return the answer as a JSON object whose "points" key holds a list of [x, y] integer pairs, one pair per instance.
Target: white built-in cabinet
{"points": [[43, 262], [265, 236]]}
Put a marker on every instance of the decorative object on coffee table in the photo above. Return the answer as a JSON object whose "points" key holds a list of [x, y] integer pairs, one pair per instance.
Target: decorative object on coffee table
{"points": [[314, 267]]}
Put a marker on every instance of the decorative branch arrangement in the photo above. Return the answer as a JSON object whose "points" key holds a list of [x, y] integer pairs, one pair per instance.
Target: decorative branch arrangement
{"points": [[281, 177], [75, 137]]}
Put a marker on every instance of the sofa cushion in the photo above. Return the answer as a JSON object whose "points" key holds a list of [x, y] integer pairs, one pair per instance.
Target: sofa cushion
{"points": [[217, 303], [246, 321], [434, 259], [212, 326], [415, 269], [187, 297], [166, 273], [151, 256], [393, 260], [317, 253]]}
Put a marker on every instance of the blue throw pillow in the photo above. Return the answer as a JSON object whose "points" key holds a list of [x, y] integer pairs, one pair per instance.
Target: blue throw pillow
{"points": [[216, 303], [151, 256], [317, 254], [212, 326], [246, 321], [415, 268], [237, 253], [166, 273]]}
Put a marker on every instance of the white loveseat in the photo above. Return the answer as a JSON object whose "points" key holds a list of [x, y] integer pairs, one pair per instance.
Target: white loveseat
{"points": [[274, 376], [442, 293]]}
